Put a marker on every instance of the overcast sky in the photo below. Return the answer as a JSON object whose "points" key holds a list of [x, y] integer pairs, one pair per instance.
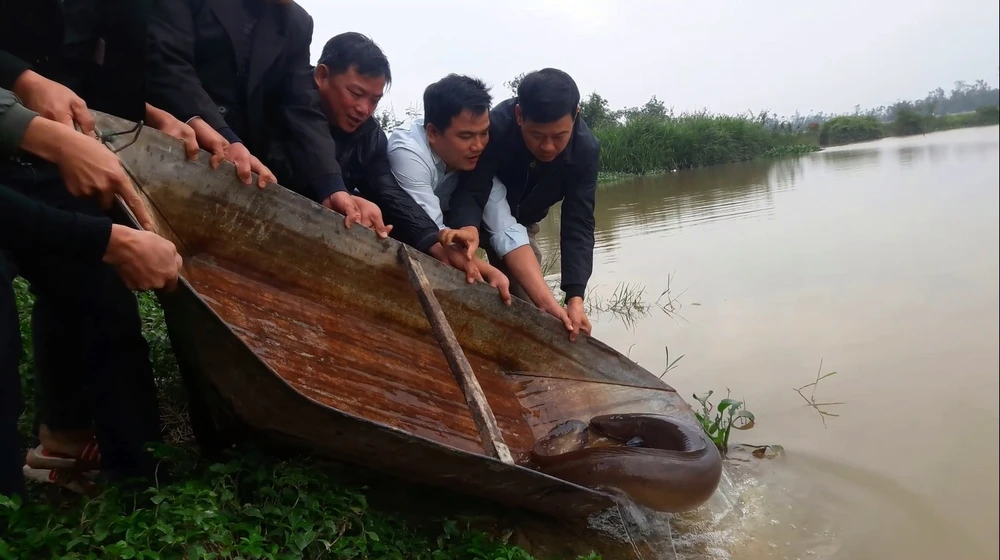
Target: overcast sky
{"points": [[727, 56]]}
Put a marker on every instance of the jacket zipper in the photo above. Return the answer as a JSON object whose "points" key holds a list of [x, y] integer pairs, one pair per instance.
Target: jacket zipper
{"points": [[525, 195]]}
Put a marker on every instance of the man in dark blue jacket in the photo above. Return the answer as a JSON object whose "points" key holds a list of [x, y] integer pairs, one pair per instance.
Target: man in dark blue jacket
{"points": [[543, 153]]}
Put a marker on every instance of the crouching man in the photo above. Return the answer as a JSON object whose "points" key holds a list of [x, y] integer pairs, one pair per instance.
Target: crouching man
{"points": [[350, 78], [427, 156], [544, 154]]}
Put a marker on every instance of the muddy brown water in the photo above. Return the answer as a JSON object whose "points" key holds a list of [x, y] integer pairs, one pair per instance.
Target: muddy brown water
{"points": [[881, 260]]}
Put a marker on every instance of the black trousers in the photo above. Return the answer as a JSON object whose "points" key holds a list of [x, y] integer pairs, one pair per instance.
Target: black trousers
{"points": [[92, 362]]}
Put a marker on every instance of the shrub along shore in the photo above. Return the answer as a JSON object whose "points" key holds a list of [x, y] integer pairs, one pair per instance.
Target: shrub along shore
{"points": [[659, 143], [849, 129]]}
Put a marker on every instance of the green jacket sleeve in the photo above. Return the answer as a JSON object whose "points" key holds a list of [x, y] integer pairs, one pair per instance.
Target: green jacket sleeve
{"points": [[29, 225], [14, 120]]}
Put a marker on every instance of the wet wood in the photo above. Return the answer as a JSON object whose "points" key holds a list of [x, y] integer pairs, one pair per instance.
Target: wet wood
{"points": [[583, 401], [349, 424], [352, 362], [481, 413]]}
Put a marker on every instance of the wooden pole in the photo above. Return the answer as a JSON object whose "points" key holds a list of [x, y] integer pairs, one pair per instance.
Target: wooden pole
{"points": [[489, 431]]}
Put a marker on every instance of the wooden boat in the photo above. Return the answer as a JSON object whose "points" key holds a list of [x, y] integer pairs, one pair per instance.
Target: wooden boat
{"points": [[313, 335]]}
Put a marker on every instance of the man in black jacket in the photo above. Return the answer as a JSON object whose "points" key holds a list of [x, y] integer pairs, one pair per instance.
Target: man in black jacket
{"points": [[70, 254], [351, 78], [53, 230], [240, 68], [543, 153]]}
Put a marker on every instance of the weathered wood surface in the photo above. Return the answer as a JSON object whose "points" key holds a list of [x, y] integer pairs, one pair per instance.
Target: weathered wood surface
{"points": [[287, 413], [550, 401], [312, 333], [486, 423]]}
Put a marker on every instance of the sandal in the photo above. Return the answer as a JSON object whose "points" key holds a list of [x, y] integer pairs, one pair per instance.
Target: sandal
{"points": [[88, 459], [69, 479]]}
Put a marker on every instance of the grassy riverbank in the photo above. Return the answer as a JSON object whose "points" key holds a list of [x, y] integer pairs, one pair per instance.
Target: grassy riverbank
{"points": [[251, 505], [656, 144], [907, 122]]}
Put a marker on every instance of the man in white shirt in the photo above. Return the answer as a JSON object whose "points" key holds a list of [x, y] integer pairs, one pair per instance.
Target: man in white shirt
{"points": [[426, 157]]}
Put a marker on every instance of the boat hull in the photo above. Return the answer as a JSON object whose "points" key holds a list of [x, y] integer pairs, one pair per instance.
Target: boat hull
{"points": [[310, 334]]}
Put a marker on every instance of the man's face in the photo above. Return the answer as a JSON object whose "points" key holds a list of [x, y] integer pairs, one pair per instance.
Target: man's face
{"points": [[349, 98], [463, 142], [545, 140]]}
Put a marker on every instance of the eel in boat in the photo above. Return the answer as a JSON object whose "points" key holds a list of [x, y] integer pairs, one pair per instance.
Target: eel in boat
{"points": [[665, 464]]}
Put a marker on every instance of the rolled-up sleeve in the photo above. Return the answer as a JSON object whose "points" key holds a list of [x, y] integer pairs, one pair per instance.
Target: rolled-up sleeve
{"points": [[505, 233], [414, 175]]}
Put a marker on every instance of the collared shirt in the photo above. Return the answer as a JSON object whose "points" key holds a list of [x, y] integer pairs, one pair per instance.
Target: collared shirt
{"points": [[423, 175]]}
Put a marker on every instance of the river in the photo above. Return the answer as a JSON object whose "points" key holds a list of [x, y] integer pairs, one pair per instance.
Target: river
{"points": [[880, 260]]}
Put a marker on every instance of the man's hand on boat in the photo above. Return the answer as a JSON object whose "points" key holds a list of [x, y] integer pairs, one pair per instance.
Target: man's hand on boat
{"points": [[236, 153], [371, 217], [458, 259], [209, 140], [53, 101], [495, 278], [245, 162], [474, 268], [171, 125], [144, 260], [343, 202], [467, 237], [358, 210], [87, 167], [574, 307]]}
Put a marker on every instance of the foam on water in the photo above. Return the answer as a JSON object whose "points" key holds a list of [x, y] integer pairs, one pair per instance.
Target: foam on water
{"points": [[711, 532]]}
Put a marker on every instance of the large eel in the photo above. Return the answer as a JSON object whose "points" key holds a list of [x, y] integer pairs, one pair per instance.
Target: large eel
{"points": [[665, 465]]}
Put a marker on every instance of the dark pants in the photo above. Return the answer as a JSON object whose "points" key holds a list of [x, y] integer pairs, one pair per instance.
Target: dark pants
{"points": [[11, 479], [92, 362], [496, 261]]}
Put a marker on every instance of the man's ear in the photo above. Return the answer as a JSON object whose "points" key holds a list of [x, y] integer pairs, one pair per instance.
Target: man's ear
{"points": [[320, 74], [576, 113], [517, 114]]}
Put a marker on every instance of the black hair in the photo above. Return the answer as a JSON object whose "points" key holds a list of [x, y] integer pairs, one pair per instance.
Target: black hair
{"points": [[547, 95], [349, 49], [449, 96]]}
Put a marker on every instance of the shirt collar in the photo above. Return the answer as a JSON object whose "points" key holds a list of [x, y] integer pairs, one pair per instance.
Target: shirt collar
{"points": [[420, 131]]}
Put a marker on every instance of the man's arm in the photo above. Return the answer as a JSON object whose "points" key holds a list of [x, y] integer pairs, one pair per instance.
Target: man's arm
{"points": [[173, 83], [310, 149], [577, 232], [11, 68], [414, 176], [511, 243], [26, 224], [411, 224], [143, 259]]}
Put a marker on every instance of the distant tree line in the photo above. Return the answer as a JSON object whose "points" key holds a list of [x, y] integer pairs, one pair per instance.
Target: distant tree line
{"points": [[596, 111]]}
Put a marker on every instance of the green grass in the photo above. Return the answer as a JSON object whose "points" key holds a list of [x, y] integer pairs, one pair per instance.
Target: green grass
{"points": [[862, 128], [646, 145], [252, 505], [849, 129]]}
